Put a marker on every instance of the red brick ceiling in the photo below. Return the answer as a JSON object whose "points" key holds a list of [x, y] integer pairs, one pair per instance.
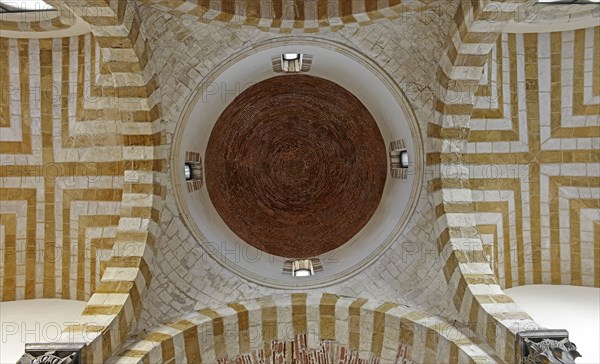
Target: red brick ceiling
{"points": [[295, 166]]}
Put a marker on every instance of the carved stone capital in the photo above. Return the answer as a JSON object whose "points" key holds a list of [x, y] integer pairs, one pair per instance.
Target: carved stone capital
{"points": [[54, 353], [545, 347]]}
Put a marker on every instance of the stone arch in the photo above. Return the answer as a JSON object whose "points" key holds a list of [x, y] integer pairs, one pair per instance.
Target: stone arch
{"points": [[295, 17], [305, 325], [476, 293]]}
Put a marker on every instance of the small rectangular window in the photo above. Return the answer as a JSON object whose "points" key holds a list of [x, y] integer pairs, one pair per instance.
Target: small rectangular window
{"points": [[291, 62]]}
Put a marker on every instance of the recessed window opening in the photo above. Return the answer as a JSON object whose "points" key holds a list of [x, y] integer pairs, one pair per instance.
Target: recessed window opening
{"points": [[192, 171], [291, 62], [398, 159], [302, 268]]}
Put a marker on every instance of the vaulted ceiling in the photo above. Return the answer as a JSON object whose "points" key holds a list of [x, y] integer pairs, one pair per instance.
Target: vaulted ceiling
{"points": [[511, 129]]}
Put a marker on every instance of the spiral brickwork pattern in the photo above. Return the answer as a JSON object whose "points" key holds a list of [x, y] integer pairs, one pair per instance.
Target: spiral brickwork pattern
{"points": [[296, 166]]}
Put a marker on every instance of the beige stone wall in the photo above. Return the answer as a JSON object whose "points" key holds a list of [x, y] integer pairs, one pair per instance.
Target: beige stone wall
{"points": [[62, 173]]}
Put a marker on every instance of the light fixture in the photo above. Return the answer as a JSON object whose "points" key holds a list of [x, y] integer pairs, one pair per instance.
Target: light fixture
{"points": [[187, 171], [291, 62], [290, 56], [399, 158], [302, 268], [404, 159]]}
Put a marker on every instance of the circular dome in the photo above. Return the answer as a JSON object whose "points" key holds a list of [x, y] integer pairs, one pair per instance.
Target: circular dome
{"points": [[289, 161], [335, 64]]}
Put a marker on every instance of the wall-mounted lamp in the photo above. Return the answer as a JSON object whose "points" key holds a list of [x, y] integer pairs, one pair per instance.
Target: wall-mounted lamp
{"points": [[302, 268], [404, 159], [187, 171], [291, 62], [290, 56], [192, 171], [398, 159]]}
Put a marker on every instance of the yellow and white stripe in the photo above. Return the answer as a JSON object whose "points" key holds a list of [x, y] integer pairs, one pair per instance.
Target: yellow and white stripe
{"points": [[374, 332], [292, 16]]}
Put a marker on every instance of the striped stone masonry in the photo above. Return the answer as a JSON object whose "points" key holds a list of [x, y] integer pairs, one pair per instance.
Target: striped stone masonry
{"points": [[119, 88], [298, 17], [305, 328], [512, 155], [62, 174], [476, 293], [515, 179]]}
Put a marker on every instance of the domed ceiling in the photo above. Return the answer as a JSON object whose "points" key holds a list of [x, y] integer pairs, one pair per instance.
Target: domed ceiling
{"points": [[296, 166]]}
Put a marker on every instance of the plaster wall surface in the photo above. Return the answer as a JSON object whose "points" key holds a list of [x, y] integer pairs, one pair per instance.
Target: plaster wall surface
{"points": [[545, 302], [36, 326]]}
